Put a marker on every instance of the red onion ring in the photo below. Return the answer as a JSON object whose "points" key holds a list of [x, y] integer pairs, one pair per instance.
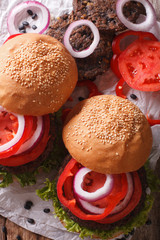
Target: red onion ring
{"points": [[19, 14], [18, 135], [89, 207], [91, 196], [30, 142], [91, 48], [128, 196], [146, 25]]}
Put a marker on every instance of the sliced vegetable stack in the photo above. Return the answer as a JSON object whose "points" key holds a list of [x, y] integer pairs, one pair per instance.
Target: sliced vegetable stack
{"points": [[23, 138]]}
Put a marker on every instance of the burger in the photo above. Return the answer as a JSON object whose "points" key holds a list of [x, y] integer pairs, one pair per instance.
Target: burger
{"points": [[37, 76], [104, 190]]}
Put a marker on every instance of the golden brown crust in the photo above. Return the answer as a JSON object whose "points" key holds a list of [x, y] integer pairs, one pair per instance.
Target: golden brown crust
{"points": [[108, 134], [37, 74]]}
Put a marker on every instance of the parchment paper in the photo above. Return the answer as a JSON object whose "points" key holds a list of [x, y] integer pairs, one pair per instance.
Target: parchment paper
{"points": [[12, 199]]}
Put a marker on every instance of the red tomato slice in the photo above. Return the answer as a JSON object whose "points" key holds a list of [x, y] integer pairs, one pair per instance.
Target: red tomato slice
{"points": [[66, 195], [139, 65], [29, 156], [131, 205], [9, 125], [118, 45]]}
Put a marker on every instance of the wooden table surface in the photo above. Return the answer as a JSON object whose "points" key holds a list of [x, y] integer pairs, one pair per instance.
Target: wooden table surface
{"points": [[11, 231]]}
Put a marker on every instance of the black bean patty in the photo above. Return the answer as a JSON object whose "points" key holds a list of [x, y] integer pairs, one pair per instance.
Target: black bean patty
{"points": [[103, 14]]}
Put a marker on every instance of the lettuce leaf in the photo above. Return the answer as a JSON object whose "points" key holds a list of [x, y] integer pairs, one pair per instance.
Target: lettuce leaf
{"points": [[49, 192]]}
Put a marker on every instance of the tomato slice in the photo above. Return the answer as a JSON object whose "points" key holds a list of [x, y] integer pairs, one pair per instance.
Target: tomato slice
{"points": [[34, 153], [131, 205], [67, 198], [139, 65], [9, 125], [121, 42]]}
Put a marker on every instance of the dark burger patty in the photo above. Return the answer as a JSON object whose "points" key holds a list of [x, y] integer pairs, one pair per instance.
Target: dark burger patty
{"points": [[31, 166], [103, 14], [95, 225]]}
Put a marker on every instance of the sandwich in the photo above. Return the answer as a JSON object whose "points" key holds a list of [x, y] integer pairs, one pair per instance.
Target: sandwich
{"points": [[104, 190], [37, 76]]}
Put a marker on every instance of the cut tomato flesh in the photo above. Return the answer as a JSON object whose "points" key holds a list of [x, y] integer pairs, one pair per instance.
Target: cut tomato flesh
{"points": [[8, 127], [34, 153], [139, 65], [90, 183]]}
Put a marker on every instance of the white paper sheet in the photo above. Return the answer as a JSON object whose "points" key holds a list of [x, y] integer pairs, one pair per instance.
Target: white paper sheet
{"points": [[12, 199]]}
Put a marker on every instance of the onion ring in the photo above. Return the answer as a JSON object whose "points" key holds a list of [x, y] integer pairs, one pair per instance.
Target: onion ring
{"points": [[91, 196], [34, 139], [89, 207], [91, 48], [19, 14], [128, 196], [149, 22], [18, 135]]}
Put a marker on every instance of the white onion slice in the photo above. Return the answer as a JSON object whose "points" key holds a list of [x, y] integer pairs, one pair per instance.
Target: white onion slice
{"points": [[128, 196], [30, 142], [91, 196], [18, 135], [148, 22], [19, 14], [89, 207], [91, 48]]}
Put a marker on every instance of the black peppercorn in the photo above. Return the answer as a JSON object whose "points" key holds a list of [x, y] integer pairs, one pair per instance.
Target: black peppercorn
{"points": [[31, 220], [28, 205], [133, 96], [30, 12], [46, 210]]}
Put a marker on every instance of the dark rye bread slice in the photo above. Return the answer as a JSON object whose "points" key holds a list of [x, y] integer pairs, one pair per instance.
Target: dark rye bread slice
{"points": [[103, 14]]}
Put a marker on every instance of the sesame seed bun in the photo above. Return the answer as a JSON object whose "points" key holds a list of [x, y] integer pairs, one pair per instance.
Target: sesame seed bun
{"points": [[108, 134], [37, 74]]}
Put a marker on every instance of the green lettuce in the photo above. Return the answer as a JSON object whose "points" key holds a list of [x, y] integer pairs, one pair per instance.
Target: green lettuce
{"points": [[53, 161], [49, 192]]}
